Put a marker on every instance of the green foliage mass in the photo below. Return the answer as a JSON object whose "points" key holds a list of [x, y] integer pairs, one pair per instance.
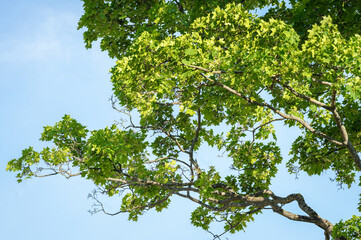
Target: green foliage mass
{"points": [[190, 66], [349, 229]]}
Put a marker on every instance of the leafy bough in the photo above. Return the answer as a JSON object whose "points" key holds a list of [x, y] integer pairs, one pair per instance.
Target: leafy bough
{"points": [[233, 69]]}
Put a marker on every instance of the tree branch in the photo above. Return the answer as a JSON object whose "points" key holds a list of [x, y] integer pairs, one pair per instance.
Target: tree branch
{"points": [[284, 115], [314, 101]]}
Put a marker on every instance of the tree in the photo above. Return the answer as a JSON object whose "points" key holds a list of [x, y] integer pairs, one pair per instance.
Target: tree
{"points": [[184, 69]]}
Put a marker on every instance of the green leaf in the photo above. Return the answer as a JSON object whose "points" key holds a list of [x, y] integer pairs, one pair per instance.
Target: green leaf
{"points": [[190, 52]]}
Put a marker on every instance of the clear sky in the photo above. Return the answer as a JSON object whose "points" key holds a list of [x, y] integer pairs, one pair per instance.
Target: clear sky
{"points": [[45, 72]]}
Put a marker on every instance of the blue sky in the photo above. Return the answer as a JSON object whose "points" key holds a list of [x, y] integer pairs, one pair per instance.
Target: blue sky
{"points": [[45, 72]]}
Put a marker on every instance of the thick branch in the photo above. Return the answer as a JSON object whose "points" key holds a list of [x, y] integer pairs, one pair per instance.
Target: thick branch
{"points": [[275, 202], [314, 101], [140, 182], [194, 141], [346, 140], [322, 82]]}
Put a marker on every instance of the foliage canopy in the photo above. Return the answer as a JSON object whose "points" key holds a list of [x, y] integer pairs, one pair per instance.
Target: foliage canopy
{"points": [[190, 66]]}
